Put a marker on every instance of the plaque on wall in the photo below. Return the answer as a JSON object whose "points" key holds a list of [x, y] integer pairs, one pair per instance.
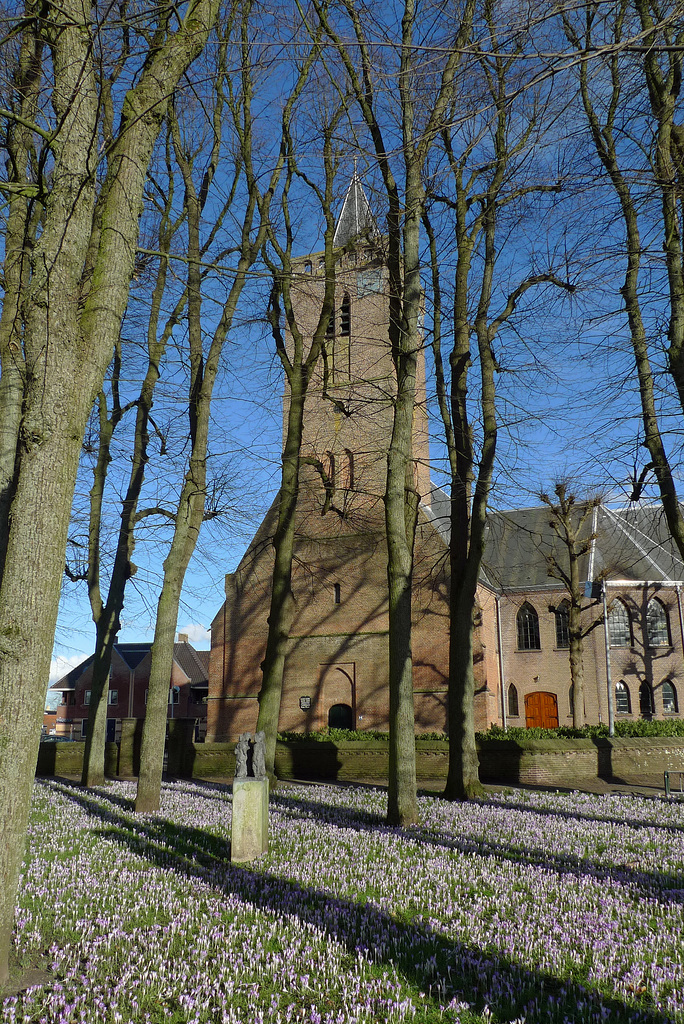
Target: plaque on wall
{"points": [[369, 281], [305, 703]]}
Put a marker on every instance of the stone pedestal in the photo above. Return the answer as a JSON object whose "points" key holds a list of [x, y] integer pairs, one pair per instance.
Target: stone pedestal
{"points": [[249, 833]]}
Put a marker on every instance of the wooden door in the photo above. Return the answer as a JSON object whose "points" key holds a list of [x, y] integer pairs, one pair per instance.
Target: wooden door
{"points": [[541, 710]]}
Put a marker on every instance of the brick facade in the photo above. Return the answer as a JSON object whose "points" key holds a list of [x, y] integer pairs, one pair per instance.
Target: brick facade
{"points": [[337, 661]]}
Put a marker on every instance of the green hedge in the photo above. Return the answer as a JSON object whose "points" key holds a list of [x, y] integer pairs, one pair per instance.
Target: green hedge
{"points": [[638, 727]]}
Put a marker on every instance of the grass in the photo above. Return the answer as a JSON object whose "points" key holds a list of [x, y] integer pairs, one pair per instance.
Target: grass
{"points": [[525, 906]]}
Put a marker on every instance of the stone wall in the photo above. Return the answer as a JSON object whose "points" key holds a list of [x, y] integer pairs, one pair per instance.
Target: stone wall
{"points": [[545, 762]]}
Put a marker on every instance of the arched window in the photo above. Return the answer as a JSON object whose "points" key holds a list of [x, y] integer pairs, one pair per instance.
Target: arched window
{"points": [[329, 467], [348, 470], [619, 628], [513, 706], [657, 632], [528, 629], [308, 267], [623, 702], [670, 706], [563, 624], [345, 316], [645, 700]]}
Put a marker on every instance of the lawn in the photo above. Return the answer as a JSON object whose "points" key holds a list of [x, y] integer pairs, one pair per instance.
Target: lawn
{"points": [[543, 907]]}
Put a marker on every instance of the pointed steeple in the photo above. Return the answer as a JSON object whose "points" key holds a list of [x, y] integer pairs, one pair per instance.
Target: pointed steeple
{"points": [[356, 218]]}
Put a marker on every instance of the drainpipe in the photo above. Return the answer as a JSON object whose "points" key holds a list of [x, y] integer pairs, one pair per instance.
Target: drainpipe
{"points": [[606, 636], [502, 674], [131, 684], [679, 608]]}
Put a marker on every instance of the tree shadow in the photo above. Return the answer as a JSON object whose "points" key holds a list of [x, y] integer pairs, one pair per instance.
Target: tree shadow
{"points": [[443, 969]]}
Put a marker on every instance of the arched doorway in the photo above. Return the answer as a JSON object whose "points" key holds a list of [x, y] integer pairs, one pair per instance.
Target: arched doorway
{"points": [[340, 716], [541, 710]]}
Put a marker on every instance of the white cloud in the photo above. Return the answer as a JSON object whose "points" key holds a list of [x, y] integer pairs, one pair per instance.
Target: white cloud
{"points": [[63, 663], [197, 635]]}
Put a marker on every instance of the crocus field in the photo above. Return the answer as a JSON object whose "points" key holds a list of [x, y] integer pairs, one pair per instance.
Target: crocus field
{"points": [[535, 907]]}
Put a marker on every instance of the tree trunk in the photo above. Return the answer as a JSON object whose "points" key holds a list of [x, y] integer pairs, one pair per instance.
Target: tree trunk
{"points": [[69, 330]]}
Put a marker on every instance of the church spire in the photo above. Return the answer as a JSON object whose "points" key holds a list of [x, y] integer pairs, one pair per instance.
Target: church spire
{"points": [[356, 218]]}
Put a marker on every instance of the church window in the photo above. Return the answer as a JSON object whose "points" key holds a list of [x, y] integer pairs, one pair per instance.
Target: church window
{"points": [[345, 317], [657, 633], [330, 329], [348, 470], [528, 629], [623, 702], [308, 267], [513, 706], [338, 593], [563, 625], [329, 468], [669, 698], [619, 629], [645, 700]]}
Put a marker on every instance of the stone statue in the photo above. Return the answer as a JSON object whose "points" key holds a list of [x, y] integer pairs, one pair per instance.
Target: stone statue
{"points": [[259, 756], [241, 755]]}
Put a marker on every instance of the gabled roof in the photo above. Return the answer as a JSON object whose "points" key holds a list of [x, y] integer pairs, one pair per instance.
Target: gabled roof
{"points": [[632, 544], [356, 218], [194, 663], [133, 654]]}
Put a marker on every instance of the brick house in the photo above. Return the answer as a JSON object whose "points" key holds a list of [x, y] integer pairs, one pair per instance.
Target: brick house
{"points": [[643, 574], [128, 683], [336, 670]]}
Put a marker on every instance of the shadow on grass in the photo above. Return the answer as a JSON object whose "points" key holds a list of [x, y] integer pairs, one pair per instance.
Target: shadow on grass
{"points": [[441, 968]]}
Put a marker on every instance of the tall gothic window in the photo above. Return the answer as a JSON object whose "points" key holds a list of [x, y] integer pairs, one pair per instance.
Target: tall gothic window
{"points": [[528, 629], [563, 624], [345, 317], [657, 633], [329, 467], [645, 700], [513, 706], [619, 629], [348, 470], [623, 703], [670, 706]]}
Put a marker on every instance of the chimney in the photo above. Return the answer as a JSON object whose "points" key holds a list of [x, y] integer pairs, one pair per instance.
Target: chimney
{"points": [[182, 638]]}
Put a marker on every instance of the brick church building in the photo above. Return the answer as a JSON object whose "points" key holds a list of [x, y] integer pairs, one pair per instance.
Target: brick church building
{"points": [[336, 671]]}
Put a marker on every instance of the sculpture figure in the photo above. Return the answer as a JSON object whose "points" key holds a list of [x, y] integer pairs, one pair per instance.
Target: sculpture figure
{"points": [[241, 755]]}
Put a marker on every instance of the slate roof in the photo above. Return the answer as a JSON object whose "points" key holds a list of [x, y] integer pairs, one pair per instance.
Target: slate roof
{"points": [[632, 544], [356, 217]]}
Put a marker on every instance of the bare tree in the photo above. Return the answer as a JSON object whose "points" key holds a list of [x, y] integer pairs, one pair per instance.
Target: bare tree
{"points": [[107, 613], [203, 370], [70, 244], [632, 101], [568, 519], [487, 155], [401, 169], [299, 363]]}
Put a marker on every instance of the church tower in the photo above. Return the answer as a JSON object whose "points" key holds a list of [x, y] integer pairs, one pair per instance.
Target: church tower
{"points": [[349, 410], [336, 671]]}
